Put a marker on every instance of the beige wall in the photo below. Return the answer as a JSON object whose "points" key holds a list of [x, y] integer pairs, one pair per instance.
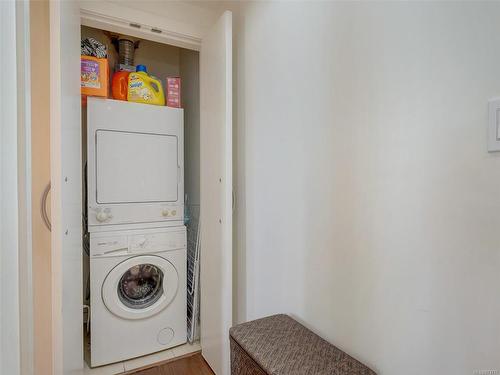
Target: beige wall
{"points": [[40, 137]]}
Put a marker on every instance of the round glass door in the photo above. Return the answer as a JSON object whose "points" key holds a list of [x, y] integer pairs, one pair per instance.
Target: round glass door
{"points": [[140, 287]]}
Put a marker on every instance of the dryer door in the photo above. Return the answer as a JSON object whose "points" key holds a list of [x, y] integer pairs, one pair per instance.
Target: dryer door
{"points": [[136, 167], [140, 287]]}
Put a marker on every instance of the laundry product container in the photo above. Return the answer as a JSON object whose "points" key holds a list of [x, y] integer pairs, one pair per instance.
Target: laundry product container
{"points": [[94, 76], [279, 345]]}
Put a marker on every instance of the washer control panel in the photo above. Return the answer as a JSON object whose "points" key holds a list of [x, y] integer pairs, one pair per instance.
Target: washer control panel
{"points": [[157, 242], [137, 241], [112, 245]]}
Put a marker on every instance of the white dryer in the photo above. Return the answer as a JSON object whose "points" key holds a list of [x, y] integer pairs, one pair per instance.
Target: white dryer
{"points": [[138, 292], [135, 165]]}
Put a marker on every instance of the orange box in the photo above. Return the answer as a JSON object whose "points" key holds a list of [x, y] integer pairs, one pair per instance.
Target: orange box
{"points": [[94, 76]]}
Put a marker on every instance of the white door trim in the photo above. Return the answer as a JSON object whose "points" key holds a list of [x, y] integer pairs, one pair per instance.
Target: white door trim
{"points": [[216, 186], [66, 184], [139, 24]]}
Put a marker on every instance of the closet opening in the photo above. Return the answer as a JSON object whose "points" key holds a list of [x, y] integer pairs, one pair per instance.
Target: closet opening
{"points": [[134, 209]]}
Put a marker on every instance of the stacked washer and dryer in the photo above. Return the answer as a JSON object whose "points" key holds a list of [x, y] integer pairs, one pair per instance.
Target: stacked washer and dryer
{"points": [[135, 213]]}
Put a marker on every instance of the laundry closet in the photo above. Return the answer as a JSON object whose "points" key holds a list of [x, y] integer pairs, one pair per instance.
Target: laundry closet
{"points": [[143, 192], [141, 218]]}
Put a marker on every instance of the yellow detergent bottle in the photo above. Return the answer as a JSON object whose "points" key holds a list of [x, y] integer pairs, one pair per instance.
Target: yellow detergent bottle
{"points": [[143, 88]]}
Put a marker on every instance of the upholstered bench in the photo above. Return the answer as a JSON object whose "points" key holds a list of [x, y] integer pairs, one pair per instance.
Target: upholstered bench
{"points": [[279, 345]]}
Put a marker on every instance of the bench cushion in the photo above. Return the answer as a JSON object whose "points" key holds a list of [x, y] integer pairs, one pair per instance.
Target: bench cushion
{"points": [[279, 345]]}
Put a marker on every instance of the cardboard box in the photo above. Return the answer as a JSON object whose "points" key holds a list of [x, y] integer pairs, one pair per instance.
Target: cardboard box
{"points": [[174, 92], [94, 76]]}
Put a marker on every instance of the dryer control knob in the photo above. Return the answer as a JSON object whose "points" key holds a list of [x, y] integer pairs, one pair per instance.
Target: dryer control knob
{"points": [[174, 212], [102, 216], [165, 212]]}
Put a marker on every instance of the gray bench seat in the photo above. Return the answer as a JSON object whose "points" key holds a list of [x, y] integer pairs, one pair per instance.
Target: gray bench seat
{"points": [[279, 345]]}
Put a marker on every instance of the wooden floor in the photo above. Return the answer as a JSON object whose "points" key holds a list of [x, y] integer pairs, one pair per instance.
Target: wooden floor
{"points": [[192, 365]]}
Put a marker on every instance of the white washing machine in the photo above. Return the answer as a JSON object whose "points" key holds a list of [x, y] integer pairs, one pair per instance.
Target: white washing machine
{"points": [[138, 293]]}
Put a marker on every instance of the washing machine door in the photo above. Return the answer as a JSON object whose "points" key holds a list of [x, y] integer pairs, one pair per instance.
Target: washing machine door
{"points": [[140, 287]]}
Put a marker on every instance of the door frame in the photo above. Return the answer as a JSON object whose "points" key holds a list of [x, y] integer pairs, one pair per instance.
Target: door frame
{"points": [[103, 15], [216, 193]]}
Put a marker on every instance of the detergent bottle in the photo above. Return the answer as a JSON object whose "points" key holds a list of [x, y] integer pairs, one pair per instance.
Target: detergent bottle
{"points": [[119, 85], [143, 88]]}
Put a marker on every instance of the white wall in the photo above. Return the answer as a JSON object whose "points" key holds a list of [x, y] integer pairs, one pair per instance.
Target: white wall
{"points": [[368, 207]]}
